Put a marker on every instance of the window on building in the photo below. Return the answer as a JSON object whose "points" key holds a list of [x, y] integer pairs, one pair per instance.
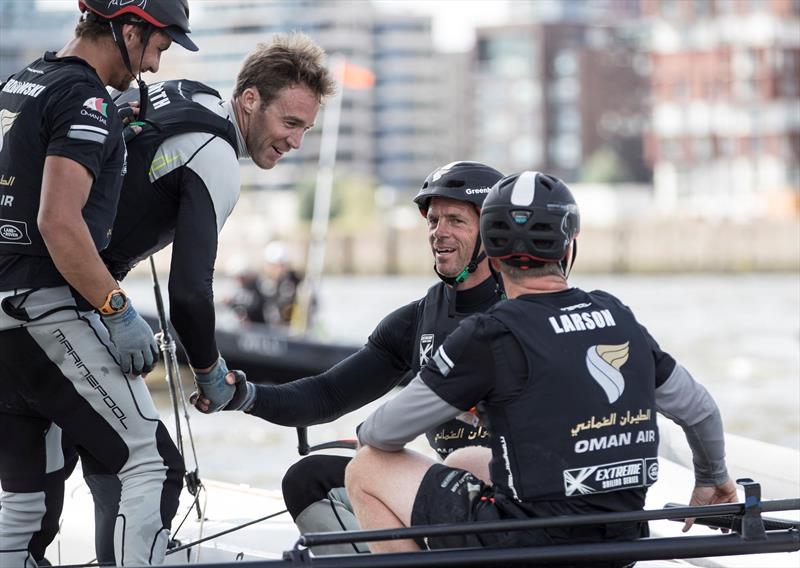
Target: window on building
{"points": [[565, 63], [702, 149]]}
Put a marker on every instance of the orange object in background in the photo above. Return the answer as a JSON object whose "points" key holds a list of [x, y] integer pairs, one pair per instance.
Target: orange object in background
{"points": [[357, 77]]}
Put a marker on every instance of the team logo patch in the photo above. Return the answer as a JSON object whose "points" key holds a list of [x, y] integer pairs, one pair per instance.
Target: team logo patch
{"points": [[610, 477], [7, 119], [603, 363], [425, 348], [96, 104]]}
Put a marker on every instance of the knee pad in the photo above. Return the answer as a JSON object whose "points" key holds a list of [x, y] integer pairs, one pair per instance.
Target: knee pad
{"points": [[310, 479]]}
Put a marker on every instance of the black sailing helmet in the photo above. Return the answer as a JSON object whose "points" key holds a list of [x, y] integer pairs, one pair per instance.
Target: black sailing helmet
{"points": [[169, 16], [529, 218], [462, 181]]}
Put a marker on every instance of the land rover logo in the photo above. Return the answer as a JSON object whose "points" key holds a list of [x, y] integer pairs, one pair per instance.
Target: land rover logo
{"points": [[10, 232]]}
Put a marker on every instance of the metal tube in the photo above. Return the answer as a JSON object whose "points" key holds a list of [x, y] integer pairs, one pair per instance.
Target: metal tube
{"points": [[314, 539], [644, 549]]}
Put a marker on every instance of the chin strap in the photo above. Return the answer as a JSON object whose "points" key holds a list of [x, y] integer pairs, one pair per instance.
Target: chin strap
{"points": [[116, 32], [454, 281]]}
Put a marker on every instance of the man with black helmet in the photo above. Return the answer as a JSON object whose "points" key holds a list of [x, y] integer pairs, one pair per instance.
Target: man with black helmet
{"points": [[450, 199], [569, 383], [62, 158]]}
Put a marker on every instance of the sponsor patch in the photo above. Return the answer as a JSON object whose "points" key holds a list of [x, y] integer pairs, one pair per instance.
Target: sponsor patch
{"points": [[97, 104], [610, 477], [603, 363], [425, 348], [14, 232]]}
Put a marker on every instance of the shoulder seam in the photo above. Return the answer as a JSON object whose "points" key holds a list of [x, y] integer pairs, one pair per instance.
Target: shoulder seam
{"points": [[203, 145]]}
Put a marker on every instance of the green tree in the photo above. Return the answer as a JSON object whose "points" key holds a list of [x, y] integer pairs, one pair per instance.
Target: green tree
{"points": [[605, 166]]}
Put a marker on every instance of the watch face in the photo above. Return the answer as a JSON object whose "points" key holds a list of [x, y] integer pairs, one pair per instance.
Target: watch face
{"points": [[117, 301]]}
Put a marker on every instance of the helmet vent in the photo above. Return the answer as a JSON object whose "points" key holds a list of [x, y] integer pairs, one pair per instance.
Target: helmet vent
{"points": [[546, 181], [455, 183], [499, 226]]}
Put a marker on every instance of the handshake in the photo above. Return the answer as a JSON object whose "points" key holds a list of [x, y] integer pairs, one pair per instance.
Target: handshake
{"points": [[221, 389]]}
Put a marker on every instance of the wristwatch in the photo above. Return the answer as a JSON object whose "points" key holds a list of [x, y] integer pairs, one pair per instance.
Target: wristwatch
{"points": [[116, 301]]}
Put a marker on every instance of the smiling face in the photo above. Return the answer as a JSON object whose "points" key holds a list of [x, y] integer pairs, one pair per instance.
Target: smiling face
{"points": [[278, 127], [452, 229]]}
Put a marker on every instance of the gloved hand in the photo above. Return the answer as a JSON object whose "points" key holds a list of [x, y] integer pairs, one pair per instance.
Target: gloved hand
{"points": [[135, 345], [243, 398], [212, 386], [130, 127]]}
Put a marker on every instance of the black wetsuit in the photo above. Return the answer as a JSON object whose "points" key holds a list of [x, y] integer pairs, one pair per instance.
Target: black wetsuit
{"points": [[182, 185], [402, 342]]}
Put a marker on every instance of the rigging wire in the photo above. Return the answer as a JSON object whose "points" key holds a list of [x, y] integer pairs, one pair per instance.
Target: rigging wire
{"points": [[222, 533]]}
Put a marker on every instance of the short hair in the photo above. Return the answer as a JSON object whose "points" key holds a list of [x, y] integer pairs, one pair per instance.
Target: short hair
{"points": [[536, 270], [92, 28], [291, 59]]}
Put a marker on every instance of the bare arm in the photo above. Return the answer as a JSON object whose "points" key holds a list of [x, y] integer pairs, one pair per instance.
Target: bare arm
{"points": [[65, 189]]}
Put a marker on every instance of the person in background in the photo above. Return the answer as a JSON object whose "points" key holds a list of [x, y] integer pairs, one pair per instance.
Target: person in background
{"points": [[450, 200], [72, 346], [249, 301], [569, 383], [281, 285]]}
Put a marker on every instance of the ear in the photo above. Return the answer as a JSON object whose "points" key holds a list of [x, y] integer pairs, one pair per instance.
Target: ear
{"points": [[131, 34], [251, 100]]}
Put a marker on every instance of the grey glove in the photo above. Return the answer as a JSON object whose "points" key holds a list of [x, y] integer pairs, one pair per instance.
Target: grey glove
{"points": [[136, 347], [212, 385], [245, 395]]}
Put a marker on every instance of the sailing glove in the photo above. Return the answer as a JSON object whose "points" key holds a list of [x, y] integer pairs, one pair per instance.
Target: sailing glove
{"points": [[128, 115], [212, 385], [133, 338], [245, 395]]}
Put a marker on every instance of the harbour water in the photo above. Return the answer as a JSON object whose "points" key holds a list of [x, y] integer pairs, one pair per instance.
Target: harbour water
{"points": [[737, 334]]}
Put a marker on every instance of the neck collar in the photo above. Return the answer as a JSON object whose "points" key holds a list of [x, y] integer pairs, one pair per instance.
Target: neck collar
{"points": [[228, 105]]}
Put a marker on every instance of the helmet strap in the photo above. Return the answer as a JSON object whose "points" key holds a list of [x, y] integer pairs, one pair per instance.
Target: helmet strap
{"points": [[566, 265], [454, 281], [119, 39], [143, 90], [498, 278]]}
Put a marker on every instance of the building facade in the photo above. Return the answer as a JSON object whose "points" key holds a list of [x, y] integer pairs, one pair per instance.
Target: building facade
{"points": [[725, 139]]}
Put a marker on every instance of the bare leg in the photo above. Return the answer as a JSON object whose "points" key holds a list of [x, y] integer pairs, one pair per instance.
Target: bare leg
{"points": [[474, 459], [382, 487]]}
